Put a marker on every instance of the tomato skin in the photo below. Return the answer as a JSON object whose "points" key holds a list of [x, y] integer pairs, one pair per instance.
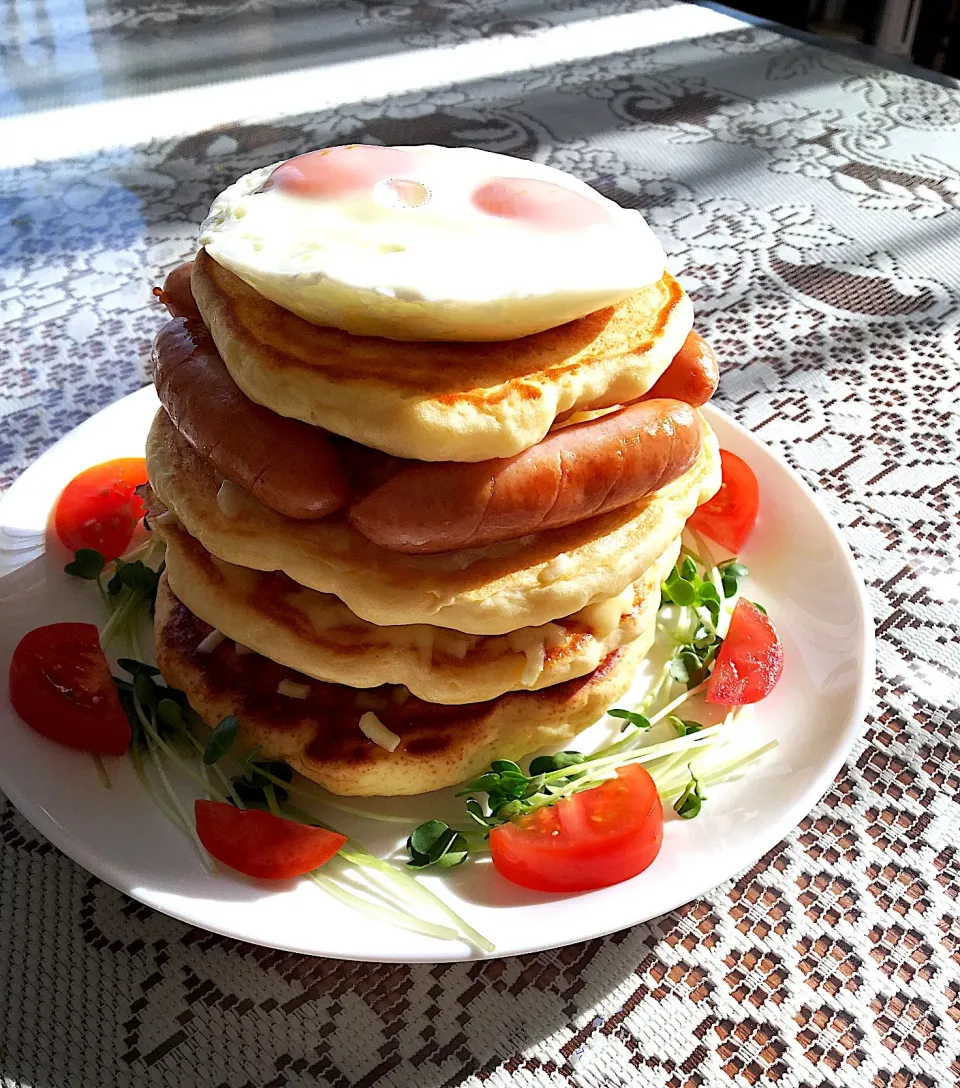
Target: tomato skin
{"points": [[599, 837], [99, 508], [60, 685], [260, 844], [729, 517], [750, 660]]}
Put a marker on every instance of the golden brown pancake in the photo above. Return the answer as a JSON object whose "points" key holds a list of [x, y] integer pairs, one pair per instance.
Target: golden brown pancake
{"points": [[318, 635], [320, 737], [439, 401], [486, 591]]}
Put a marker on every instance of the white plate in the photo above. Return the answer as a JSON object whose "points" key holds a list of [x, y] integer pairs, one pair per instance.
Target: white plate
{"points": [[800, 568]]}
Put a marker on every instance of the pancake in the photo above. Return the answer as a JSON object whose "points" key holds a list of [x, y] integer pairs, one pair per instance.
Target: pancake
{"points": [[439, 401], [319, 736], [319, 636], [485, 591]]}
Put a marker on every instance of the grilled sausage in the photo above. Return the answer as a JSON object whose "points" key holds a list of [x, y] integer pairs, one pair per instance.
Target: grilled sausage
{"points": [[573, 474], [176, 294], [288, 465], [692, 375]]}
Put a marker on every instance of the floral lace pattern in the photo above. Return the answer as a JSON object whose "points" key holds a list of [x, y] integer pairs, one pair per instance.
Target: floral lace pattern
{"points": [[810, 205]]}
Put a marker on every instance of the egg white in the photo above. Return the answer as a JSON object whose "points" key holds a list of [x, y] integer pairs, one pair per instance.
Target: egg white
{"points": [[440, 270]]}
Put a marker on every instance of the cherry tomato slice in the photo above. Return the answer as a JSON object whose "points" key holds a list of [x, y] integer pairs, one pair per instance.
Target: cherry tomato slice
{"points": [[598, 837], [260, 844], [729, 517], [99, 509], [60, 684], [750, 660]]}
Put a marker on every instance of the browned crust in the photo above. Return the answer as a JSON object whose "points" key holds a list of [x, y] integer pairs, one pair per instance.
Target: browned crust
{"points": [[320, 735], [449, 372]]}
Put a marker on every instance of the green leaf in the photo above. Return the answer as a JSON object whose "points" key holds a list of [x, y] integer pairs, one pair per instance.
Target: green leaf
{"points": [[534, 785], [630, 717], [756, 604], [250, 766], [684, 727], [435, 843], [483, 784], [712, 609], [221, 739], [509, 809], [251, 786], [476, 813], [678, 670], [683, 594], [688, 804], [688, 569], [137, 576], [135, 668], [426, 836], [707, 592], [170, 713], [453, 855], [730, 574], [87, 564], [560, 760], [145, 691], [731, 566], [505, 766]]}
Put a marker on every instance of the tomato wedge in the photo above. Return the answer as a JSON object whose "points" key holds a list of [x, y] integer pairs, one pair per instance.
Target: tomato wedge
{"points": [[60, 684], [598, 837], [750, 660], [99, 509], [729, 517], [260, 844]]}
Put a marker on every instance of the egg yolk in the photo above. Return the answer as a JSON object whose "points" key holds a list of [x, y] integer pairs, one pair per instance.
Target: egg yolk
{"points": [[340, 171], [538, 204]]}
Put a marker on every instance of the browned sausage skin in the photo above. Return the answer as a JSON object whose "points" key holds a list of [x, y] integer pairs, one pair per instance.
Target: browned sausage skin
{"points": [[176, 294], [288, 465], [692, 376], [573, 474]]}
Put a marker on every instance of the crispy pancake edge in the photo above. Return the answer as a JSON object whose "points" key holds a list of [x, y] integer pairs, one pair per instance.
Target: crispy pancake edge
{"points": [[317, 634], [437, 400], [319, 736], [492, 590]]}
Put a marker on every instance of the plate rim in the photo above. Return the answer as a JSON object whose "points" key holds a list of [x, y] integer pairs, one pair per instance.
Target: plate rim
{"points": [[777, 830]]}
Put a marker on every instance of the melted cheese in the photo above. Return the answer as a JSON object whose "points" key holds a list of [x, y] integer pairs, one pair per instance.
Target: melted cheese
{"points": [[556, 569], [292, 689], [232, 500], [374, 729], [603, 618], [211, 642]]}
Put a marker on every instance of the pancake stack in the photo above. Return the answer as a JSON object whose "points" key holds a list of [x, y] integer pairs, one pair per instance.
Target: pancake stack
{"points": [[372, 662]]}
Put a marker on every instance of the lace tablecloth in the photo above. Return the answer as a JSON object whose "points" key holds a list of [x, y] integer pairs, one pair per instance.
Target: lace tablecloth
{"points": [[811, 205]]}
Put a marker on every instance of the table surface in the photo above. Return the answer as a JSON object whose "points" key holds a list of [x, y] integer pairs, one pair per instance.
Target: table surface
{"points": [[810, 203]]}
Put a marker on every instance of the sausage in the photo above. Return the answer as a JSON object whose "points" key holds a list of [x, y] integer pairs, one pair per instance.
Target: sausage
{"points": [[692, 375], [288, 465], [573, 474], [176, 294]]}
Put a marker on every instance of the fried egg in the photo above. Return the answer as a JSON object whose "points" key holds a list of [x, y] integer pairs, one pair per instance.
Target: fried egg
{"points": [[429, 243]]}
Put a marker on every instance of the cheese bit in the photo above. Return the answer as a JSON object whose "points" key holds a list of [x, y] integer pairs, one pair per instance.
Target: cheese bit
{"points": [[211, 642], [292, 689], [374, 729]]}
